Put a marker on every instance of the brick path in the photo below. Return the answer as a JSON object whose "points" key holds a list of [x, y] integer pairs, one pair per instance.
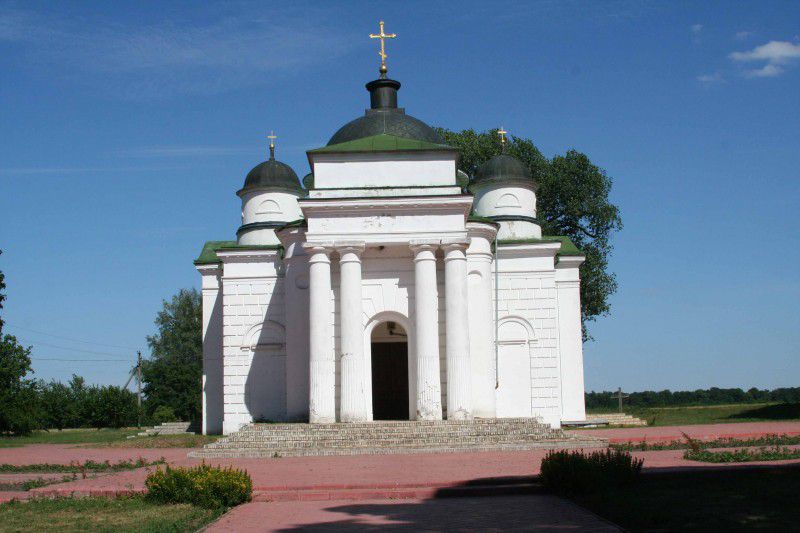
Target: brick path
{"points": [[498, 513]]}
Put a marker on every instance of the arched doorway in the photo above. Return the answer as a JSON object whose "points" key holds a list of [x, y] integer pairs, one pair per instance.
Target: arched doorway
{"points": [[389, 349]]}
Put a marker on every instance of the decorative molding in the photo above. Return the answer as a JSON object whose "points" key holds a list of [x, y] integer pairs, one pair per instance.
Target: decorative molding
{"points": [[514, 218]]}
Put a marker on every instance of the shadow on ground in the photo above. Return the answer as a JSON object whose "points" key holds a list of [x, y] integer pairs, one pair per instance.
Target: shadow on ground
{"points": [[497, 513], [783, 411]]}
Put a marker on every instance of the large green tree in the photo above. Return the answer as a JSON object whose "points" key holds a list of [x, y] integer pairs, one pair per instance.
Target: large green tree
{"points": [[173, 375], [572, 200], [18, 394]]}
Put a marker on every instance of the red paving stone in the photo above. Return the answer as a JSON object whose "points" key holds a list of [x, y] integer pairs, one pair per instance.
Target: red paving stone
{"points": [[497, 513], [64, 454], [335, 477]]}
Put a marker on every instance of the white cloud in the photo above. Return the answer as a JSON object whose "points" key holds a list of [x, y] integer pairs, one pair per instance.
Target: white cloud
{"points": [[183, 151], [775, 54], [228, 53], [697, 28], [707, 79], [767, 71]]}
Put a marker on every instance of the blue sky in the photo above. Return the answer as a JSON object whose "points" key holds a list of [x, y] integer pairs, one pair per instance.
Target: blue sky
{"points": [[127, 128]]}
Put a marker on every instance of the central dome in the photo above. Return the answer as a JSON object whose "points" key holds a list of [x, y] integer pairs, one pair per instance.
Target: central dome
{"points": [[384, 117]]}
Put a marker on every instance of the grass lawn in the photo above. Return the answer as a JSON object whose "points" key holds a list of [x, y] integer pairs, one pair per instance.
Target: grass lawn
{"points": [[117, 438], [713, 414], [102, 514], [163, 441], [724, 500]]}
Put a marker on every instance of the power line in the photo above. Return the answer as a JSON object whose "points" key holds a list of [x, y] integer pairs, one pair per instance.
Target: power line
{"points": [[72, 349], [69, 338], [81, 360]]}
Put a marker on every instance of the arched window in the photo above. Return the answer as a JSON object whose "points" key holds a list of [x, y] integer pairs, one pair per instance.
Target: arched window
{"points": [[508, 200], [268, 207]]}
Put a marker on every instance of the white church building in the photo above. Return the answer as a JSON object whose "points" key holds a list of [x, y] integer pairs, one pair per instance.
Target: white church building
{"points": [[389, 286]]}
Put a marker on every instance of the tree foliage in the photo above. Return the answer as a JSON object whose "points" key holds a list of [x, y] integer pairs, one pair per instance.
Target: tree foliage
{"points": [[173, 377], [572, 200], [18, 395], [712, 396]]}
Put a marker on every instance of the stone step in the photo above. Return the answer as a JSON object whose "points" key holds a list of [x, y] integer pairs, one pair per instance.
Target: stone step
{"points": [[316, 451], [286, 440]]}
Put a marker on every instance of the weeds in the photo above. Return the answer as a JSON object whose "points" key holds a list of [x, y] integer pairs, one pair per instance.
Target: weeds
{"points": [[81, 468]]}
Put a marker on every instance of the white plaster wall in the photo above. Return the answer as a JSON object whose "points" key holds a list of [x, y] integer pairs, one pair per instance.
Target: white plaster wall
{"points": [[527, 296], [212, 350], [297, 323], [509, 198], [573, 406], [378, 221], [264, 205], [505, 198], [384, 169], [254, 351]]}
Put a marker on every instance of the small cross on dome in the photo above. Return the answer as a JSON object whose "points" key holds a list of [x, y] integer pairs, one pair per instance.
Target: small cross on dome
{"points": [[272, 138], [502, 133]]}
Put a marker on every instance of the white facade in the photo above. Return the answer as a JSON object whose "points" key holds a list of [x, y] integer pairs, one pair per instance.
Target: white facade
{"points": [[387, 292], [289, 329]]}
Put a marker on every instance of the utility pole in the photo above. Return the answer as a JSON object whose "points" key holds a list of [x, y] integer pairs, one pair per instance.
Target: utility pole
{"points": [[139, 389]]}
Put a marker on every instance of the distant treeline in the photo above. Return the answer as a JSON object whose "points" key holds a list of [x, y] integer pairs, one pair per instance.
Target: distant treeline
{"points": [[712, 396]]}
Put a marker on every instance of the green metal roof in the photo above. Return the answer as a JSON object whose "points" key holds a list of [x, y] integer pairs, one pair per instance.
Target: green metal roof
{"points": [[568, 248], [381, 143], [209, 254]]}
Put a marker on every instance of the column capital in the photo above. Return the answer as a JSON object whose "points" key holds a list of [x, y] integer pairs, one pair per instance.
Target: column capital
{"points": [[454, 250], [350, 248], [419, 245], [456, 244], [318, 252]]}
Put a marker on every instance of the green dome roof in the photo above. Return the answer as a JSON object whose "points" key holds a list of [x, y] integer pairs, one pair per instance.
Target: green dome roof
{"points": [[385, 118], [502, 168], [272, 174]]}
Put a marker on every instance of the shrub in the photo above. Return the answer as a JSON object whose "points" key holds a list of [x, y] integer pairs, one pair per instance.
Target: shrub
{"points": [[163, 413], [574, 472], [205, 486]]}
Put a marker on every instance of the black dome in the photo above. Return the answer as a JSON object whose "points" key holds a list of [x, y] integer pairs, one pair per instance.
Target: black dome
{"points": [[384, 117], [391, 122], [502, 168], [272, 174]]}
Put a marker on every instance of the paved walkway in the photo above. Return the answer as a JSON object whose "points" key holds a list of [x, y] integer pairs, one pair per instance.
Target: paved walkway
{"points": [[498, 513]]}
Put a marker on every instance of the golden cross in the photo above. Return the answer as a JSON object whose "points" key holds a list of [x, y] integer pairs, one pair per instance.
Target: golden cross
{"points": [[382, 36], [272, 138], [502, 133]]}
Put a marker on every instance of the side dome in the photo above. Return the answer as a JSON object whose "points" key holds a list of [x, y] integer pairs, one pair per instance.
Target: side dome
{"points": [[502, 168], [385, 118], [272, 174]]}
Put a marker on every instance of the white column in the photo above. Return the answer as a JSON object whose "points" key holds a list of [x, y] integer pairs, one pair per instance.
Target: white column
{"points": [[481, 320], [353, 365], [426, 329], [322, 365], [459, 370]]}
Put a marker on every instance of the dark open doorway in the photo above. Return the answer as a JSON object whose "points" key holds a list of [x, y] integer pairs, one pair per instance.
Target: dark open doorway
{"points": [[389, 373]]}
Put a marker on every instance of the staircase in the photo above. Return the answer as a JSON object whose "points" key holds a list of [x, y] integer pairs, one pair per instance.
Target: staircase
{"points": [[167, 428], [616, 419], [293, 440]]}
